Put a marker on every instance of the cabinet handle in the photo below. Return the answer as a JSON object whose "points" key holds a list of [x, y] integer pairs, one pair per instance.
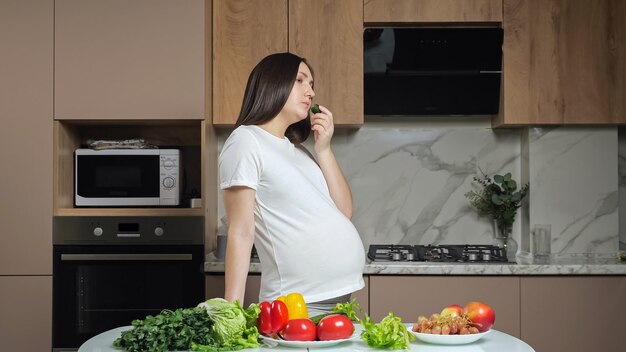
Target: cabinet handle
{"points": [[122, 257]]}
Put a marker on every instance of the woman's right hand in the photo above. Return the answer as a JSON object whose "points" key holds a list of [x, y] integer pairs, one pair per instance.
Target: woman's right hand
{"points": [[323, 129]]}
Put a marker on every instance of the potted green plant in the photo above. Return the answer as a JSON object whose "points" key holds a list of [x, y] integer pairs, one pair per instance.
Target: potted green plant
{"points": [[498, 198]]}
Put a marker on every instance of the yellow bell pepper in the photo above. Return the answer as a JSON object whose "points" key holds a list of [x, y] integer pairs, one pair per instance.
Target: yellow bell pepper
{"points": [[295, 305]]}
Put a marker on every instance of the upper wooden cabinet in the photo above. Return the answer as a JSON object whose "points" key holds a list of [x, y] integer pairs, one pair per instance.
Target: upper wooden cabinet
{"points": [[327, 33], [564, 62], [244, 32], [398, 11], [119, 59]]}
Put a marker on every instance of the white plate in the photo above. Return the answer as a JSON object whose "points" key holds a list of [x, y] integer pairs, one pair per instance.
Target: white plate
{"points": [[449, 339], [303, 344]]}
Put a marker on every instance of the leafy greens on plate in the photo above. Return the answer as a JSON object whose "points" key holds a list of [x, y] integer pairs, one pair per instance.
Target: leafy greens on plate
{"points": [[390, 333]]}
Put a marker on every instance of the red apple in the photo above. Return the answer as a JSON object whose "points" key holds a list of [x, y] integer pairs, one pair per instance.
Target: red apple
{"points": [[481, 315], [453, 310]]}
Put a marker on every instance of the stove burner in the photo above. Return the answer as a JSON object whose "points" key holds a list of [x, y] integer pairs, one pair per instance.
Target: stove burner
{"points": [[394, 253], [437, 253]]}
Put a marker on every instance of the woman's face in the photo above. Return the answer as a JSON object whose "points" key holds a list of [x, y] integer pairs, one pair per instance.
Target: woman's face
{"points": [[299, 102]]}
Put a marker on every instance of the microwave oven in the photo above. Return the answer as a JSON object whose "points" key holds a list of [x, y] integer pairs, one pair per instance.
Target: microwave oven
{"points": [[127, 177]]}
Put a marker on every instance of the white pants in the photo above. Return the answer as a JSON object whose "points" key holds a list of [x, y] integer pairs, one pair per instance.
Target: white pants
{"points": [[323, 307]]}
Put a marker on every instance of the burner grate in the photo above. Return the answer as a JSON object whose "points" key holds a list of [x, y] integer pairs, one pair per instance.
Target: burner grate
{"points": [[438, 253], [392, 252]]}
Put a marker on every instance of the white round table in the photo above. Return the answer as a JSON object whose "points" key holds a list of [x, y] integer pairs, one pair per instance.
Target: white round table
{"points": [[495, 341]]}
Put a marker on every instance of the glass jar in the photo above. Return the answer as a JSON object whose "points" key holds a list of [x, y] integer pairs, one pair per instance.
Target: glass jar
{"points": [[502, 238]]}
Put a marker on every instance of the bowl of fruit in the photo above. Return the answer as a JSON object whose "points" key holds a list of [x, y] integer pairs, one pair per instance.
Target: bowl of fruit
{"points": [[455, 325]]}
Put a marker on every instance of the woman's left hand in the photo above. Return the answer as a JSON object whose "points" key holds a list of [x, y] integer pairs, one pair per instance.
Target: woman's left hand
{"points": [[323, 128]]}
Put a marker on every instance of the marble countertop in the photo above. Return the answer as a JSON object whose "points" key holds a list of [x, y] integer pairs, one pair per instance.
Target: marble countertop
{"points": [[569, 266]]}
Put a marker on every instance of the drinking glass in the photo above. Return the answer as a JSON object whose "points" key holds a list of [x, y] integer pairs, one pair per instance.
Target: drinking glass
{"points": [[542, 239]]}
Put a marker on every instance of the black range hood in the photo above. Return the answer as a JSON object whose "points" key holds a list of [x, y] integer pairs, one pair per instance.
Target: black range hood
{"points": [[432, 71]]}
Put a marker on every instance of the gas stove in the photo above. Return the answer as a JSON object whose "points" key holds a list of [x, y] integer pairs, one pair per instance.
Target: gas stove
{"points": [[468, 253]]}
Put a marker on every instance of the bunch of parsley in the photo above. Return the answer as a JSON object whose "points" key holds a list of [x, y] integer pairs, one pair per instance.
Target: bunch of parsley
{"points": [[168, 331], [215, 325]]}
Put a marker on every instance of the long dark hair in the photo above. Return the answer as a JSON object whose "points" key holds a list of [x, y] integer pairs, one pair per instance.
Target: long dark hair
{"points": [[267, 91]]}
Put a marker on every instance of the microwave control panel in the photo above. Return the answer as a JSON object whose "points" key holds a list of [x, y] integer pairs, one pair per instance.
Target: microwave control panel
{"points": [[169, 178]]}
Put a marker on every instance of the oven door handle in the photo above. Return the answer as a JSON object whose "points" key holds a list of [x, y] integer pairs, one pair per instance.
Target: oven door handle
{"points": [[126, 257]]}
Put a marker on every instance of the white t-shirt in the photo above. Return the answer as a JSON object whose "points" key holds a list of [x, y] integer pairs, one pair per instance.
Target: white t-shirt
{"points": [[304, 242]]}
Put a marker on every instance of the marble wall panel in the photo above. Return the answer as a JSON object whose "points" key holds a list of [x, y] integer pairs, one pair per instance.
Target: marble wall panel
{"points": [[621, 152], [574, 188]]}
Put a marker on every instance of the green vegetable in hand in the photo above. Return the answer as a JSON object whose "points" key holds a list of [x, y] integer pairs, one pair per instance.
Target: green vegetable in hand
{"points": [[315, 109]]}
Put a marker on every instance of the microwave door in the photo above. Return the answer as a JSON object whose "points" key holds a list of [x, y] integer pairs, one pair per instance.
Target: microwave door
{"points": [[117, 180]]}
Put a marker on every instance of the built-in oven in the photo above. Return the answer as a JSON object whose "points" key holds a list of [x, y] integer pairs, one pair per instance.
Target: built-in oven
{"points": [[108, 271]]}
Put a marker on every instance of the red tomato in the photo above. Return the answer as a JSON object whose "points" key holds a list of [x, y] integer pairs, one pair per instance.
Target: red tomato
{"points": [[480, 315], [334, 327], [302, 329]]}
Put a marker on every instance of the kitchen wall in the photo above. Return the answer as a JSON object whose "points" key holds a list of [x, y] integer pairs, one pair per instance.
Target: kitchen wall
{"points": [[409, 176]]}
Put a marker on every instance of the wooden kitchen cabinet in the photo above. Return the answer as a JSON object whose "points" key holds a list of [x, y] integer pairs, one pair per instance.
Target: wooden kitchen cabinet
{"points": [[564, 62], [215, 288], [412, 11], [26, 100], [26, 97], [244, 32], [411, 296], [327, 33], [584, 313], [118, 59], [26, 306]]}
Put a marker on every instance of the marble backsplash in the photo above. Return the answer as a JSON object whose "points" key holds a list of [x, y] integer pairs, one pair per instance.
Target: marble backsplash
{"points": [[409, 177], [574, 188], [621, 147]]}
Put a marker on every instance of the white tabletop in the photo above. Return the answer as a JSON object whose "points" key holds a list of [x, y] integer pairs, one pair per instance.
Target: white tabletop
{"points": [[494, 341]]}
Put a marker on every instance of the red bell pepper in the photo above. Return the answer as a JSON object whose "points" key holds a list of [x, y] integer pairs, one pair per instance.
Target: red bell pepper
{"points": [[273, 317], [264, 322]]}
